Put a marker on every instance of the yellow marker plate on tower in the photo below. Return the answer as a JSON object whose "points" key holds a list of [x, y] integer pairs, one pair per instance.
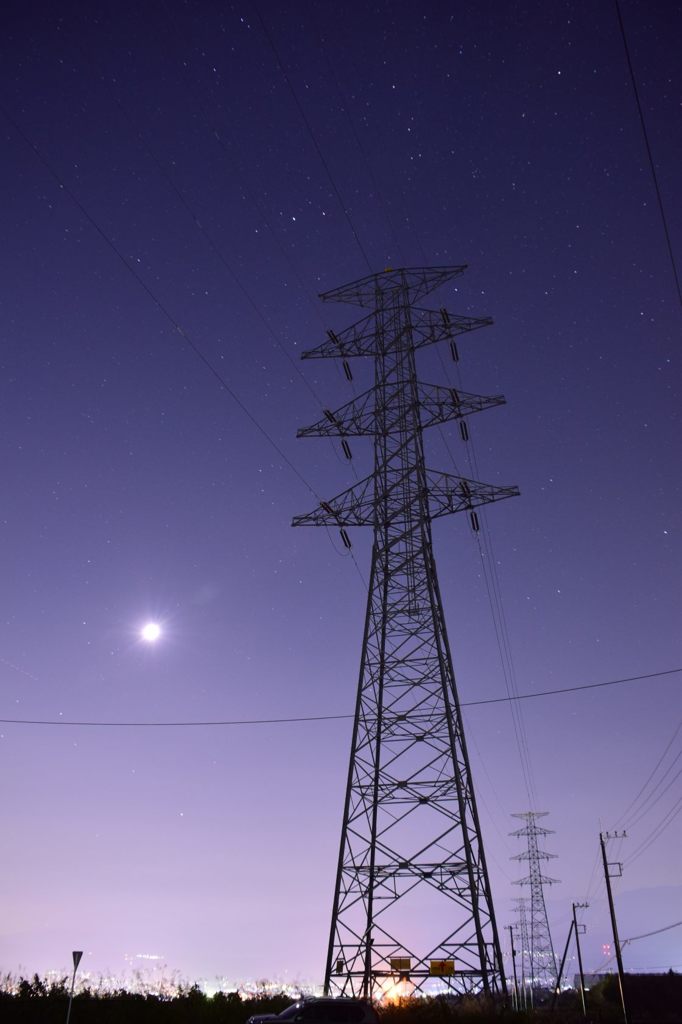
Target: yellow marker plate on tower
{"points": [[401, 963], [441, 968]]}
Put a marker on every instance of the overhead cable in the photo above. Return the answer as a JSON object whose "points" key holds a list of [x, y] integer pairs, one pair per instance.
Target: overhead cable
{"points": [[331, 718], [313, 138], [647, 144], [658, 931], [653, 771], [657, 831], [177, 327]]}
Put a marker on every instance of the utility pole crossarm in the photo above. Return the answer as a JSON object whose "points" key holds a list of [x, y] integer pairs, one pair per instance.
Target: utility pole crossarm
{"points": [[374, 411], [362, 504]]}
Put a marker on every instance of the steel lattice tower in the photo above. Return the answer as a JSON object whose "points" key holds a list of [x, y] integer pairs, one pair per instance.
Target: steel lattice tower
{"points": [[521, 930], [412, 897], [542, 970]]}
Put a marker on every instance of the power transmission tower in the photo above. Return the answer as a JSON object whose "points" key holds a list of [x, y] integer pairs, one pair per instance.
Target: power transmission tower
{"points": [[521, 929], [542, 963], [412, 898]]}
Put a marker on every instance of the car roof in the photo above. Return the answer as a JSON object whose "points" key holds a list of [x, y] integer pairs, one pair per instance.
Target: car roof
{"points": [[332, 999]]}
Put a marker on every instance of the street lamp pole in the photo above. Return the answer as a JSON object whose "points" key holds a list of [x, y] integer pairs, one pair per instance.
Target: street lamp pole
{"points": [[77, 954]]}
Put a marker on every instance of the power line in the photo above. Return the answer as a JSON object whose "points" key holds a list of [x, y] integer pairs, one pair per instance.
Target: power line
{"points": [[313, 138], [593, 882], [230, 151], [657, 831], [647, 144], [216, 249], [634, 938], [658, 764], [494, 592], [658, 931], [177, 327], [377, 189], [651, 803], [237, 280], [333, 718]]}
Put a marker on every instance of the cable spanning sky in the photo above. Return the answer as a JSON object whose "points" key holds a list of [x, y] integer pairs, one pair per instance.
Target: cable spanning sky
{"points": [[179, 182]]}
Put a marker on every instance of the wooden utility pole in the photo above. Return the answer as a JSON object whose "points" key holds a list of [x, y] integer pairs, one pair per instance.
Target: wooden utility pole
{"points": [[557, 987], [513, 955], [603, 836]]}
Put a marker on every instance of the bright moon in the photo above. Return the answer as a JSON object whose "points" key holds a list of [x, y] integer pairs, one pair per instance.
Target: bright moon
{"points": [[151, 632]]}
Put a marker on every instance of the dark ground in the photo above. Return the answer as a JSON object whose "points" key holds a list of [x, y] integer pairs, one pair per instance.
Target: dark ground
{"points": [[652, 999]]}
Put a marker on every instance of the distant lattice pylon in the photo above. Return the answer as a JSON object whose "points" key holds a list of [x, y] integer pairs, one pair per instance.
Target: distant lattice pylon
{"points": [[541, 962], [521, 933]]}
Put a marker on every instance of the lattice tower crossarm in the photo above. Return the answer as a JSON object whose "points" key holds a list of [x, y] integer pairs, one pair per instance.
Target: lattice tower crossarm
{"points": [[412, 896], [542, 966]]}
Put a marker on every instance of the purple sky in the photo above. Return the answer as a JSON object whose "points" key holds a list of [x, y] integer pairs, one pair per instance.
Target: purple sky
{"points": [[502, 136]]}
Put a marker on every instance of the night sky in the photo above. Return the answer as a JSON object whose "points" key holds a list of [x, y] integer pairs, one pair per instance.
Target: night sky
{"points": [[215, 166]]}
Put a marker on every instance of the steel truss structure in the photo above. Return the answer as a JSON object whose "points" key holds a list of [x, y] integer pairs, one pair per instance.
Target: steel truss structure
{"points": [[412, 898], [539, 962], [521, 931]]}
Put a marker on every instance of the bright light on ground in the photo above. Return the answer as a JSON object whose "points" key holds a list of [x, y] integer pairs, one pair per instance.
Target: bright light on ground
{"points": [[151, 632]]}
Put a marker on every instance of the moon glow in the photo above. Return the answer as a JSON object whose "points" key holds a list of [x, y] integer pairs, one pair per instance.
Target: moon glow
{"points": [[150, 632]]}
